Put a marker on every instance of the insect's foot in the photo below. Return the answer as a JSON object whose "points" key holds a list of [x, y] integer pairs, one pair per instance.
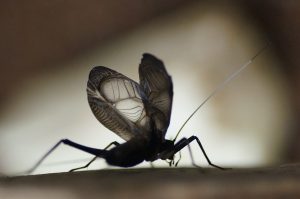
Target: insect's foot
{"points": [[218, 167], [72, 170]]}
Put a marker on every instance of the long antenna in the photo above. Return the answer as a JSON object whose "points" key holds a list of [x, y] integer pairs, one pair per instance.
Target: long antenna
{"points": [[221, 86]]}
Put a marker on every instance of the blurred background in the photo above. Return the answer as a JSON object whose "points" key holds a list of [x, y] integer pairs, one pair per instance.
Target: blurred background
{"points": [[48, 48]]}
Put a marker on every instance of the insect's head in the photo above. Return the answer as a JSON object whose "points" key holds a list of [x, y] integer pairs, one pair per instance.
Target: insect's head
{"points": [[167, 150], [168, 153]]}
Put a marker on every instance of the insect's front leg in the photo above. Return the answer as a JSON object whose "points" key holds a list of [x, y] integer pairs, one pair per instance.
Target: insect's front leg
{"points": [[176, 164], [185, 142], [94, 158]]}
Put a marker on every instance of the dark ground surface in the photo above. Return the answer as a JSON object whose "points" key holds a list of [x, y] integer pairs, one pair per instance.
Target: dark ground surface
{"points": [[279, 182]]}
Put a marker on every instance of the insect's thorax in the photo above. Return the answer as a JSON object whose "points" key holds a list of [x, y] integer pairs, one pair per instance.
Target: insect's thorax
{"points": [[139, 149], [166, 150], [158, 146]]}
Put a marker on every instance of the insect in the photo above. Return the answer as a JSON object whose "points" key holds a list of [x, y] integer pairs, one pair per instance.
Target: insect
{"points": [[137, 112]]}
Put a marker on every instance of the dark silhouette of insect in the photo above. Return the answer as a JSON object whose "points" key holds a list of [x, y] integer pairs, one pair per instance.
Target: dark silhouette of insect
{"points": [[137, 112]]}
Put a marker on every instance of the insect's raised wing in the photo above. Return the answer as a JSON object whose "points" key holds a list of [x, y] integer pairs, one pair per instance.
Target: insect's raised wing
{"points": [[158, 87], [117, 102]]}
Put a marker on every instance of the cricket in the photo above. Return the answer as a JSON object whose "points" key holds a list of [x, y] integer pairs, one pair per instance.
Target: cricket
{"points": [[139, 113]]}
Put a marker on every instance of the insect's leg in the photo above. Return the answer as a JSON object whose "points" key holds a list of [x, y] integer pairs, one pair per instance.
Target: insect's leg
{"points": [[97, 152], [176, 164], [191, 155], [94, 158], [85, 166], [180, 143], [113, 143], [204, 153], [185, 142], [169, 162]]}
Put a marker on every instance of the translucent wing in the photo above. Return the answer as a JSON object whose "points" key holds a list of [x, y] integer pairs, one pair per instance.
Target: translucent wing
{"points": [[117, 102], [158, 87]]}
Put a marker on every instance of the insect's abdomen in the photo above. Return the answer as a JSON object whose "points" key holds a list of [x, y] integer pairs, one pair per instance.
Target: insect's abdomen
{"points": [[128, 154]]}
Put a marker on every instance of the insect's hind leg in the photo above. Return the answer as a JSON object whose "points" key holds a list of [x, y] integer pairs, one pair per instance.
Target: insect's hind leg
{"points": [[94, 158], [186, 141], [97, 152]]}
